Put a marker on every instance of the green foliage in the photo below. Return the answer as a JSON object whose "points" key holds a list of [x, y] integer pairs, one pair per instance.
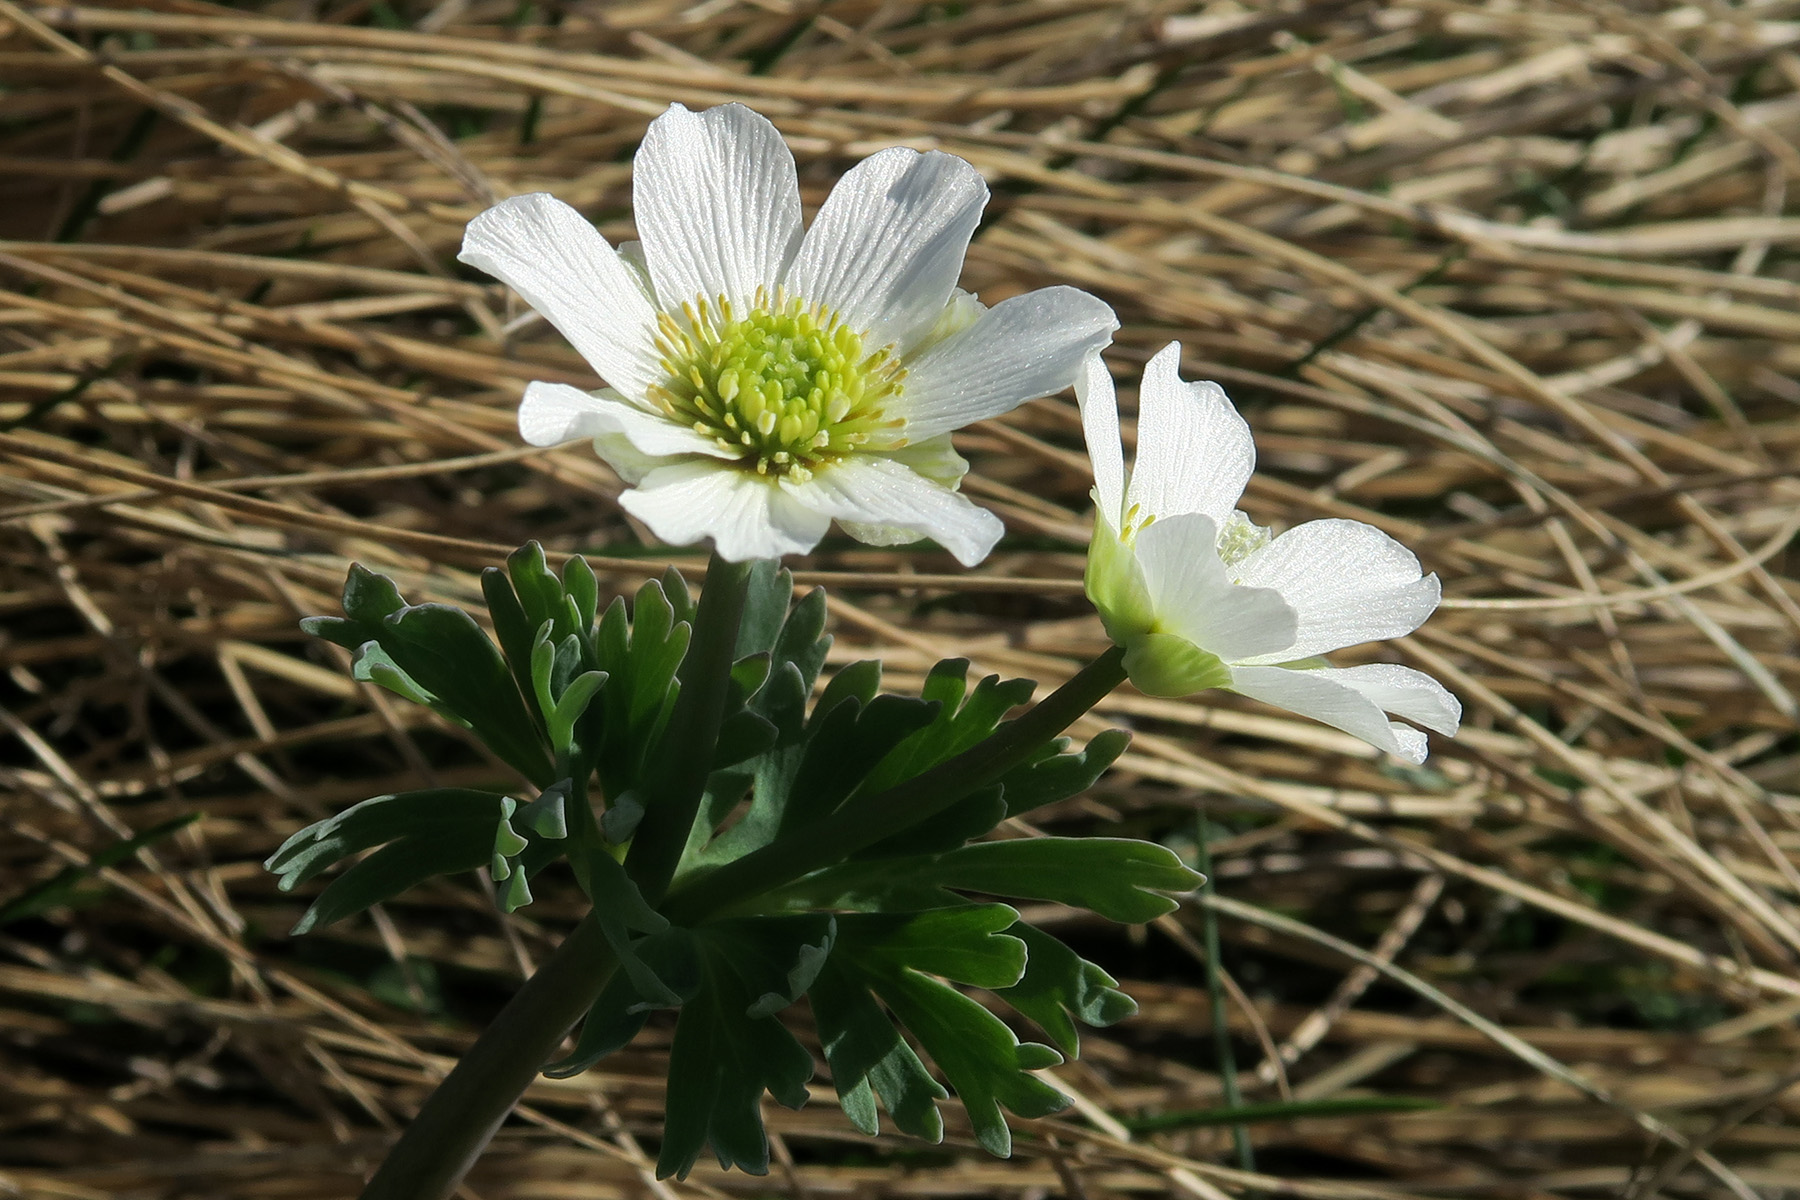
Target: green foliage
{"points": [[1119, 879], [579, 693], [1058, 985], [894, 956], [439, 831], [437, 655]]}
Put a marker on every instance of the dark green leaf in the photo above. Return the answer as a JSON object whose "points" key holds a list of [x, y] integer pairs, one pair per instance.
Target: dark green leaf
{"points": [[959, 724], [1057, 983], [439, 831], [370, 598], [621, 1010], [346, 633], [1120, 879], [641, 658], [766, 597], [728, 1046], [868, 1057], [373, 664], [977, 1053], [1060, 776], [445, 651], [539, 591], [965, 943], [620, 911], [513, 629], [843, 744], [383, 819], [393, 869], [583, 590]]}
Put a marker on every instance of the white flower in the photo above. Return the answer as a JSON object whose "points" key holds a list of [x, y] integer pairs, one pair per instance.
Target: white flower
{"points": [[1199, 597], [763, 381]]}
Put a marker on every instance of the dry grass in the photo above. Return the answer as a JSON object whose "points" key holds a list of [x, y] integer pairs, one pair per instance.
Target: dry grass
{"points": [[1515, 282]]}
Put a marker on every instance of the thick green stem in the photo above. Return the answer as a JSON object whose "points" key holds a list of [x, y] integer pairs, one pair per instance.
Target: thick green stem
{"points": [[460, 1117], [862, 823], [678, 774]]}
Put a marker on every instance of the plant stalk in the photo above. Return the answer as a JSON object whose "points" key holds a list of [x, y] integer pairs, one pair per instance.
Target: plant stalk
{"points": [[679, 771], [862, 823], [466, 1110]]}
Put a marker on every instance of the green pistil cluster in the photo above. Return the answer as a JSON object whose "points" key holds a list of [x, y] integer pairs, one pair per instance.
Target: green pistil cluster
{"points": [[1240, 538], [787, 387]]}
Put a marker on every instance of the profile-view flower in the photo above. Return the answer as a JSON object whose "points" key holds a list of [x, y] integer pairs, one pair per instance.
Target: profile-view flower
{"points": [[764, 380], [1200, 597]]}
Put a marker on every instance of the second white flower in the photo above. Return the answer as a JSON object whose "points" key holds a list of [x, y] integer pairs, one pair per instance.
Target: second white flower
{"points": [[1199, 597]]}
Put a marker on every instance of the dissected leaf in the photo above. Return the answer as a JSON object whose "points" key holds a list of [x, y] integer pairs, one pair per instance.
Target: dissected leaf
{"points": [[869, 1058], [1059, 776], [963, 719], [1122, 880], [978, 1054], [842, 745], [438, 831], [970, 943], [729, 1048], [890, 953], [621, 912], [1058, 984], [620, 1011]]}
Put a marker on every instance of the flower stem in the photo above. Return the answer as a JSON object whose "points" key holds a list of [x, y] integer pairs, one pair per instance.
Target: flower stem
{"points": [[677, 776], [862, 823], [462, 1115]]}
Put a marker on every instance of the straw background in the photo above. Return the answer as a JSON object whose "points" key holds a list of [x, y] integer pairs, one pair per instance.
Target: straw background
{"points": [[1514, 281]]}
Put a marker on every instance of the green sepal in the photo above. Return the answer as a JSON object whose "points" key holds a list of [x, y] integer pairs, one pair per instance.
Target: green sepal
{"points": [[1116, 585], [1167, 665]]}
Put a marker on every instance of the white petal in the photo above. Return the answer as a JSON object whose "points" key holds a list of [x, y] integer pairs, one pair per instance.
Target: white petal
{"points": [[869, 490], [1100, 429], [717, 204], [1349, 582], [1405, 693], [1194, 597], [1317, 694], [552, 413], [561, 266], [746, 515], [1194, 452], [1018, 350], [887, 246], [934, 458]]}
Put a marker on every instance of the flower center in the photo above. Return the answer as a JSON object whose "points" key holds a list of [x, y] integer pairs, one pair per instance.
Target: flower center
{"points": [[1240, 538], [787, 387]]}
